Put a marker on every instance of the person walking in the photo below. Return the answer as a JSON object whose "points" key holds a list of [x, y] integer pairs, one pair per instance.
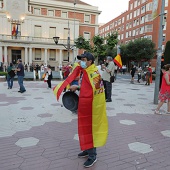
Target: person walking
{"points": [[10, 75], [20, 74], [132, 72], [107, 73], [148, 76], [164, 93], [92, 118], [49, 76]]}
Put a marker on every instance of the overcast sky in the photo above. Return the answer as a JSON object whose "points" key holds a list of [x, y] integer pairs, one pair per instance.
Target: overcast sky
{"points": [[110, 8]]}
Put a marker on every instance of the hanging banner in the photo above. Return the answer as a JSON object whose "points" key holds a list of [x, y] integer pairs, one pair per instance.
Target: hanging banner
{"points": [[155, 9]]}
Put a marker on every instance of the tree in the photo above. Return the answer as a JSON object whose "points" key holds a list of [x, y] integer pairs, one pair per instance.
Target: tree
{"points": [[167, 53], [99, 49], [140, 49], [82, 43]]}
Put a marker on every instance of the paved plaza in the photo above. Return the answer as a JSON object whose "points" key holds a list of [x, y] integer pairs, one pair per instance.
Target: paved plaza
{"points": [[37, 133]]}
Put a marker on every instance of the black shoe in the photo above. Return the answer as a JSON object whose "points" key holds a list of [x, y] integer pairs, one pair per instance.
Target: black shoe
{"points": [[23, 91], [108, 100], [19, 91], [83, 154], [90, 162]]}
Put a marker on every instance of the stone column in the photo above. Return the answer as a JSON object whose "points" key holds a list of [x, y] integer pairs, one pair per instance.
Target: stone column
{"points": [[45, 57], [60, 58], [30, 55], [5, 55], [26, 55], [1, 58]]}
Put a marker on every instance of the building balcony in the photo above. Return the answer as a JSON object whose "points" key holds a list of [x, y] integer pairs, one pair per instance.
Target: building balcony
{"points": [[31, 40]]}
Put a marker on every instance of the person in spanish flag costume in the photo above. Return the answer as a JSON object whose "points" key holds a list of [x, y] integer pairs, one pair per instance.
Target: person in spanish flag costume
{"points": [[92, 118]]}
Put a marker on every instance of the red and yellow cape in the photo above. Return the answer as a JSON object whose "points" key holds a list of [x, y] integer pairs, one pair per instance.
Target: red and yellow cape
{"points": [[92, 118]]}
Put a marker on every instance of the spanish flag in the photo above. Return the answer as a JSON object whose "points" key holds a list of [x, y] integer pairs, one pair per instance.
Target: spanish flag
{"points": [[92, 118], [118, 61], [14, 30]]}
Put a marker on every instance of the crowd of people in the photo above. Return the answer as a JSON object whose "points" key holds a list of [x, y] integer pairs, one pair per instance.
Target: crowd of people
{"points": [[95, 87]]}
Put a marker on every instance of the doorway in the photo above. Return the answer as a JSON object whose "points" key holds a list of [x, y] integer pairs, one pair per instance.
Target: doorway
{"points": [[16, 54]]}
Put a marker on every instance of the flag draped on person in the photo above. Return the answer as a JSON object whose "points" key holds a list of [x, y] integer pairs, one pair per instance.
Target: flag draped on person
{"points": [[92, 118], [118, 60]]}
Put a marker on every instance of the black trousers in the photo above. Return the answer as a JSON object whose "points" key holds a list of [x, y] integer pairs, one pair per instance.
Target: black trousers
{"points": [[49, 83], [108, 89]]}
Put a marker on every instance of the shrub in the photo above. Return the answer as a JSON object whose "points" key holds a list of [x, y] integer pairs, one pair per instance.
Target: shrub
{"points": [[3, 73]]}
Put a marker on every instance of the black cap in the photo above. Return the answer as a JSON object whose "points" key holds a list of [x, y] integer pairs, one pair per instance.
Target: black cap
{"points": [[87, 55]]}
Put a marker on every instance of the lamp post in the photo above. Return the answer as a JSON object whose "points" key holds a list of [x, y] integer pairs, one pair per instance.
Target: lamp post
{"points": [[159, 54], [67, 46]]}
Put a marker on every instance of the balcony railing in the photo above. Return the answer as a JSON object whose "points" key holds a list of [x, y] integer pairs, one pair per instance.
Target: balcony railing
{"points": [[28, 39]]}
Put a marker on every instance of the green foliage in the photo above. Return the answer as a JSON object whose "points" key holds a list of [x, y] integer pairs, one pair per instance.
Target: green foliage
{"points": [[140, 49], [3, 73], [99, 48], [167, 53], [82, 43]]}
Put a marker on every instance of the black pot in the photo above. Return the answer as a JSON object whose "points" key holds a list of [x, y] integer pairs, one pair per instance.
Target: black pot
{"points": [[70, 100]]}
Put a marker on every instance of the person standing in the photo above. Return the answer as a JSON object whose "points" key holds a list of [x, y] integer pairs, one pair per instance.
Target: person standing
{"points": [[92, 118], [20, 74], [107, 73], [49, 75], [164, 93], [132, 72], [10, 75]]}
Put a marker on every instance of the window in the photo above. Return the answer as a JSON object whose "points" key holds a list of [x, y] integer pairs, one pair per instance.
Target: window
{"points": [[52, 32], [123, 19], [37, 31], [138, 11], [149, 28], [127, 26], [135, 4], [52, 55], [128, 17], [166, 3], [164, 37], [36, 11], [142, 29], [127, 35], [142, 19], [134, 14], [131, 15], [138, 2], [50, 13], [65, 36], [143, 9], [148, 17], [131, 6], [37, 54], [149, 7], [87, 19], [122, 36], [65, 55], [87, 35], [130, 33], [134, 23], [119, 21], [64, 14]]}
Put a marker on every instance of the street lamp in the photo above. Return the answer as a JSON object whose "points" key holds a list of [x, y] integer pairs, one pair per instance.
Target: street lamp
{"points": [[159, 54], [67, 46]]}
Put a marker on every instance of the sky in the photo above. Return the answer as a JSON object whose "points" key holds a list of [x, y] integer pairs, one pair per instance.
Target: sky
{"points": [[110, 8]]}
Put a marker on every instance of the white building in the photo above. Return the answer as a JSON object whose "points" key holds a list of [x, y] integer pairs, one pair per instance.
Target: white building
{"points": [[36, 22]]}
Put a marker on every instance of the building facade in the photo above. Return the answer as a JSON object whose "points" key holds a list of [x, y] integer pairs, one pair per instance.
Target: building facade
{"points": [[27, 29], [137, 22]]}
